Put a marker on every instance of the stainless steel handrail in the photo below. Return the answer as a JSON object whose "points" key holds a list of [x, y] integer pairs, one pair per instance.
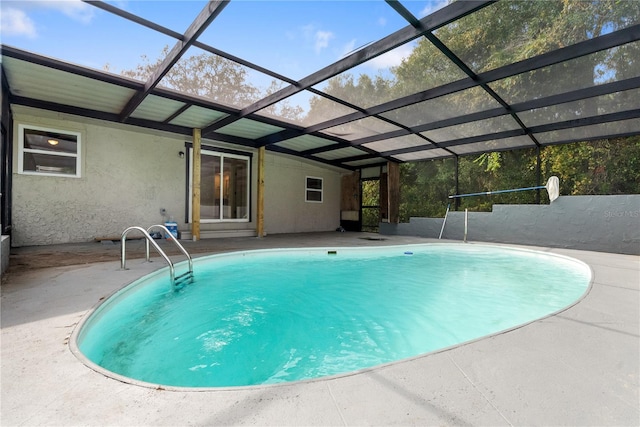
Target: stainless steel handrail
{"points": [[123, 241], [170, 237], [149, 239]]}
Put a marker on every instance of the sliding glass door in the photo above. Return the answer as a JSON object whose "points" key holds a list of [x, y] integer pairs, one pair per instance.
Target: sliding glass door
{"points": [[224, 187]]}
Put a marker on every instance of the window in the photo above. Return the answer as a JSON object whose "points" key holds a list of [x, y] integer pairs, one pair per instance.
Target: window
{"points": [[313, 190], [43, 151], [224, 187]]}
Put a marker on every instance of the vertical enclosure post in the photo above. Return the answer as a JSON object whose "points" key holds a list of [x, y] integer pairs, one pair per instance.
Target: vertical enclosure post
{"points": [[393, 192], [260, 220], [195, 200], [466, 224], [456, 202], [538, 175]]}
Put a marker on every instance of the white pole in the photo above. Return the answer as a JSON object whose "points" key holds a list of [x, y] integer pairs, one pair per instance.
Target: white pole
{"points": [[444, 221], [466, 223]]}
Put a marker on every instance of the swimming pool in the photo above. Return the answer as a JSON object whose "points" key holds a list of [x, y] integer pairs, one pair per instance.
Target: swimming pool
{"points": [[261, 317]]}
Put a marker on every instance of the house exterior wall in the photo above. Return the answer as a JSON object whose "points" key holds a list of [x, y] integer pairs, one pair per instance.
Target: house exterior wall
{"points": [[130, 173], [286, 210], [127, 176]]}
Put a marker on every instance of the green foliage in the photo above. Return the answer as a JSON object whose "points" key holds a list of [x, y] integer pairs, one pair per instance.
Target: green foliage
{"points": [[425, 187], [371, 198], [371, 192], [596, 167]]}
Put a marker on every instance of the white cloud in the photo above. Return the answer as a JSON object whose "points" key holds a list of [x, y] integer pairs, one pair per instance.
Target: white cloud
{"points": [[392, 58], [18, 19], [322, 40], [432, 6], [15, 22], [74, 9]]}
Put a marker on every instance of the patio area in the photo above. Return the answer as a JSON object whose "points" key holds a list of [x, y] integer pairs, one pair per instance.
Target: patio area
{"points": [[577, 367]]}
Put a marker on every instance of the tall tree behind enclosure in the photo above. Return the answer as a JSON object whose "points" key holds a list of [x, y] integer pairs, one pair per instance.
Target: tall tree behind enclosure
{"points": [[216, 78]]}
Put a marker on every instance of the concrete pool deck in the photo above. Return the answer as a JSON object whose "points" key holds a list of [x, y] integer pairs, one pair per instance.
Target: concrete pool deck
{"points": [[578, 367]]}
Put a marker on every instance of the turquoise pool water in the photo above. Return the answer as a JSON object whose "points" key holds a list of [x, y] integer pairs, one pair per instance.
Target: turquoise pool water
{"points": [[263, 317]]}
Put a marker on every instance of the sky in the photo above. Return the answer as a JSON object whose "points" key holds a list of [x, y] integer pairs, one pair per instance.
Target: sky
{"points": [[291, 37]]}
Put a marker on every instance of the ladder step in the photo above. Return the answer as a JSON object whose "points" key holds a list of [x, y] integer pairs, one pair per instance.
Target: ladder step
{"points": [[188, 273], [183, 278]]}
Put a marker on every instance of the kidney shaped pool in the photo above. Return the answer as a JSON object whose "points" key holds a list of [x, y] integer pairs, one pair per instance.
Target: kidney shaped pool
{"points": [[270, 316]]}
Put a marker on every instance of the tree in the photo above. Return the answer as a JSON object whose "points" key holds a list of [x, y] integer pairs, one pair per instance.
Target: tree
{"points": [[215, 78], [206, 75], [597, 167]]}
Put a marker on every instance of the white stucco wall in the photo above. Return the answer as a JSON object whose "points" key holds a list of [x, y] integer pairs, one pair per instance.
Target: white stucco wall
{"points": [[129, 173], [127, 176], [286, 210]]}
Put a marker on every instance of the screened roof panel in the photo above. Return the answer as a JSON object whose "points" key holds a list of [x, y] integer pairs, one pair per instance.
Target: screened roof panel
{"points": [[82, 34], [305, 109], [305, 142], [360, 129], [607, 66], [296, 38], [400, 142], [376, 78], [467, 130], [365, 162], [493, 145], [590, 107], [622, 127], [420, 9], [532, 29], [444, 107], [422, 155], [164, 12], [217, 79]]}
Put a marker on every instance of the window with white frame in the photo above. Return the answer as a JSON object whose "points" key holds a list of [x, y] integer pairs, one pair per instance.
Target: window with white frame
{"points": [[313, 189], [45, 151]]}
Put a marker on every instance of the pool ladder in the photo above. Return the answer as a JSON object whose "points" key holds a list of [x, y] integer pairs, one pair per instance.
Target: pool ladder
{"points": [[175, 280]]}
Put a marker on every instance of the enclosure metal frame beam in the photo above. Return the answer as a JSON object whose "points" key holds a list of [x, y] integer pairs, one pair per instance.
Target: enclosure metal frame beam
{"points": [[432, 22], [580, 49], [202, 21]]}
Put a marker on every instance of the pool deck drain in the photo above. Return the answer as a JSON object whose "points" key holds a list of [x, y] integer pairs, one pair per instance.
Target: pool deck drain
{"points": [[579, 367]]}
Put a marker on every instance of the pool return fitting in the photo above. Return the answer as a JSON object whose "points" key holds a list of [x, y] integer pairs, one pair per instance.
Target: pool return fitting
{"points": [[175, 281], [552, 186]]}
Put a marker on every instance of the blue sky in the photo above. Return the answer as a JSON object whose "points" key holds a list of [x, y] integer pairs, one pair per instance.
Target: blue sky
{"points": [[293, 37]]}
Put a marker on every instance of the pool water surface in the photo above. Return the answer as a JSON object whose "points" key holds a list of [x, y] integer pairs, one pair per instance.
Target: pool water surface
{"points": [[270, 316]]}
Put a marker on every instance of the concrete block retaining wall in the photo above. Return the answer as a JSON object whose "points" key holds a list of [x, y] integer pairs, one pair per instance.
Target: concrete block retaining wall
{"points": [[596, 223]]}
